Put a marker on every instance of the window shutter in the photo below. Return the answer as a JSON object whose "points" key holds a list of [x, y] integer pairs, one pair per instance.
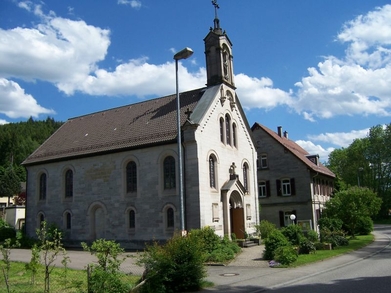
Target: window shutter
{"points": [[268, 188], [278, 184], [294, 212], [293, 187], [281, 214]]}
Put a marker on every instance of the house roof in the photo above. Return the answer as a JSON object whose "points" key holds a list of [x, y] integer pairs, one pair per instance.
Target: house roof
{"points": [[132, 126], [296, 150]]}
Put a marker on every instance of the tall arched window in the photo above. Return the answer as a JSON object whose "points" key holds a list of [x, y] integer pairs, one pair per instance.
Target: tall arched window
{"points": [[228, 129], [68, 220], [234, 140], [245, 176], [169, 172], [131, 177], [222, 130], [69, 183], [42, 187], [132, 219], [170, 218], [212, 171]]}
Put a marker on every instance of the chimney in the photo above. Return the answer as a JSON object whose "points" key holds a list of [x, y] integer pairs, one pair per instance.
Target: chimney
{"points": [[286, 134], [279, 131]]}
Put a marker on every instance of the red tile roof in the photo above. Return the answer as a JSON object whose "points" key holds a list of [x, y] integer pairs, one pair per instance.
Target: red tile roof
{"points": [[297, 150], [136, 125]]}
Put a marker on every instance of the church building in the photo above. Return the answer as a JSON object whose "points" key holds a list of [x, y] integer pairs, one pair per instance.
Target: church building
{"points": [[114, 174]]}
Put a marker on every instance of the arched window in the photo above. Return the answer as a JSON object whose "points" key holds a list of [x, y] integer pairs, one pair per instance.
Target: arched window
{"points": [[170, 218], [228, 129], [41, 219], [245, 176], [132, 219], [68, 220], [42, 187], [212, 171], [222, 130], [234, 141], [169, 172], [69, 183], [131, 177]]}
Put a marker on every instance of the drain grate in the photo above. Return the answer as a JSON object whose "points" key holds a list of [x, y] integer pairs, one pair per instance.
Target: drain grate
{"points": [[229, 275]]}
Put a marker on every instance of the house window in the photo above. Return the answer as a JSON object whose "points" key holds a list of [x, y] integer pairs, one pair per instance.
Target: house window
{"points": [[69, 184], [131, 177], [215, 212], [262, 161], [286, 187], [245, 176], [222, 130], [285, 218], [264, 188], [234, 135], [228, 129], [170, 218], [212, 171], [132, 219], [169, 172], [42, 187]]}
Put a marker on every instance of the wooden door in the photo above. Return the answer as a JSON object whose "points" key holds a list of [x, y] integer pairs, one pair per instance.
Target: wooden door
{"points": [[237, 222]]}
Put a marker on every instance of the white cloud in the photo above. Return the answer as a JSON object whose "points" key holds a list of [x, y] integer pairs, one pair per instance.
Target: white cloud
{"points": [[358, 84], [315, 149], [15, 103], [131, 3], [60, 51], [259, 93], [2, 122], [134, 78], [340, 139]]}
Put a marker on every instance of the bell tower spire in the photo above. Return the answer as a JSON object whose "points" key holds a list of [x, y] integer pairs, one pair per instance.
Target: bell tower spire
{"points": [[218, 52]]}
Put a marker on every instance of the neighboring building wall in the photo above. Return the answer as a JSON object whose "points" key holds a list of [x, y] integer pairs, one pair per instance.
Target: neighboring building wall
{"points": [[277, 163], [15, 216]]}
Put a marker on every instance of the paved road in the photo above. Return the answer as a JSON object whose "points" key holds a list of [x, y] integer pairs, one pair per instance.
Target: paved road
{"points": [[367, 270]]}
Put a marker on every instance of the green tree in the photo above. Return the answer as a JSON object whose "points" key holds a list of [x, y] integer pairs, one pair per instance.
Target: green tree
{"points": [[352, 205], [9, 183]]}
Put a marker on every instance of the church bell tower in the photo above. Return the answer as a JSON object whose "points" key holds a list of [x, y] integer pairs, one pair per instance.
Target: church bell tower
{"points": [[218, 52]]}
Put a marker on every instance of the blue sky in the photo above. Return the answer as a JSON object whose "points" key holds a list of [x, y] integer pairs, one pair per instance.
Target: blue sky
{"points": [[320, 69]]}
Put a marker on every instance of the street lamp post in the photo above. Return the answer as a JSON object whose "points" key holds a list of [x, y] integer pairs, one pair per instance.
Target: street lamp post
{"points": [[183, 54], [293, 218]]}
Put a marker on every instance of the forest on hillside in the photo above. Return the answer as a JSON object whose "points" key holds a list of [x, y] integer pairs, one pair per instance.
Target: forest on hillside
{"points": [[19, 140]]}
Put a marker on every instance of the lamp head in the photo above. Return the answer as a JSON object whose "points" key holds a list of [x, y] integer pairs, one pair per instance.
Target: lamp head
{"points": [[183, 54]]}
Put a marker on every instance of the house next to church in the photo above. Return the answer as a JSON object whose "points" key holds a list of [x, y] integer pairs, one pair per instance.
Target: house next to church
{"points": [[290, 180], [114, 174]]}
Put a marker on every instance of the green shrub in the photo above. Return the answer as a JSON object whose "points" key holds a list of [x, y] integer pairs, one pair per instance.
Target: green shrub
{"points": [[177, 266], [312, 236], [264, 228], [275, 240], [293, 233], [106, 276], [336, 238], [285, 255], [306, 246], [215, 248], [7, 232], [331, 224], [364, 226]]}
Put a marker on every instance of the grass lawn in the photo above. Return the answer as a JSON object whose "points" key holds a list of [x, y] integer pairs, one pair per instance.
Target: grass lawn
{"points": [[61, 280], [319, 255]]}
